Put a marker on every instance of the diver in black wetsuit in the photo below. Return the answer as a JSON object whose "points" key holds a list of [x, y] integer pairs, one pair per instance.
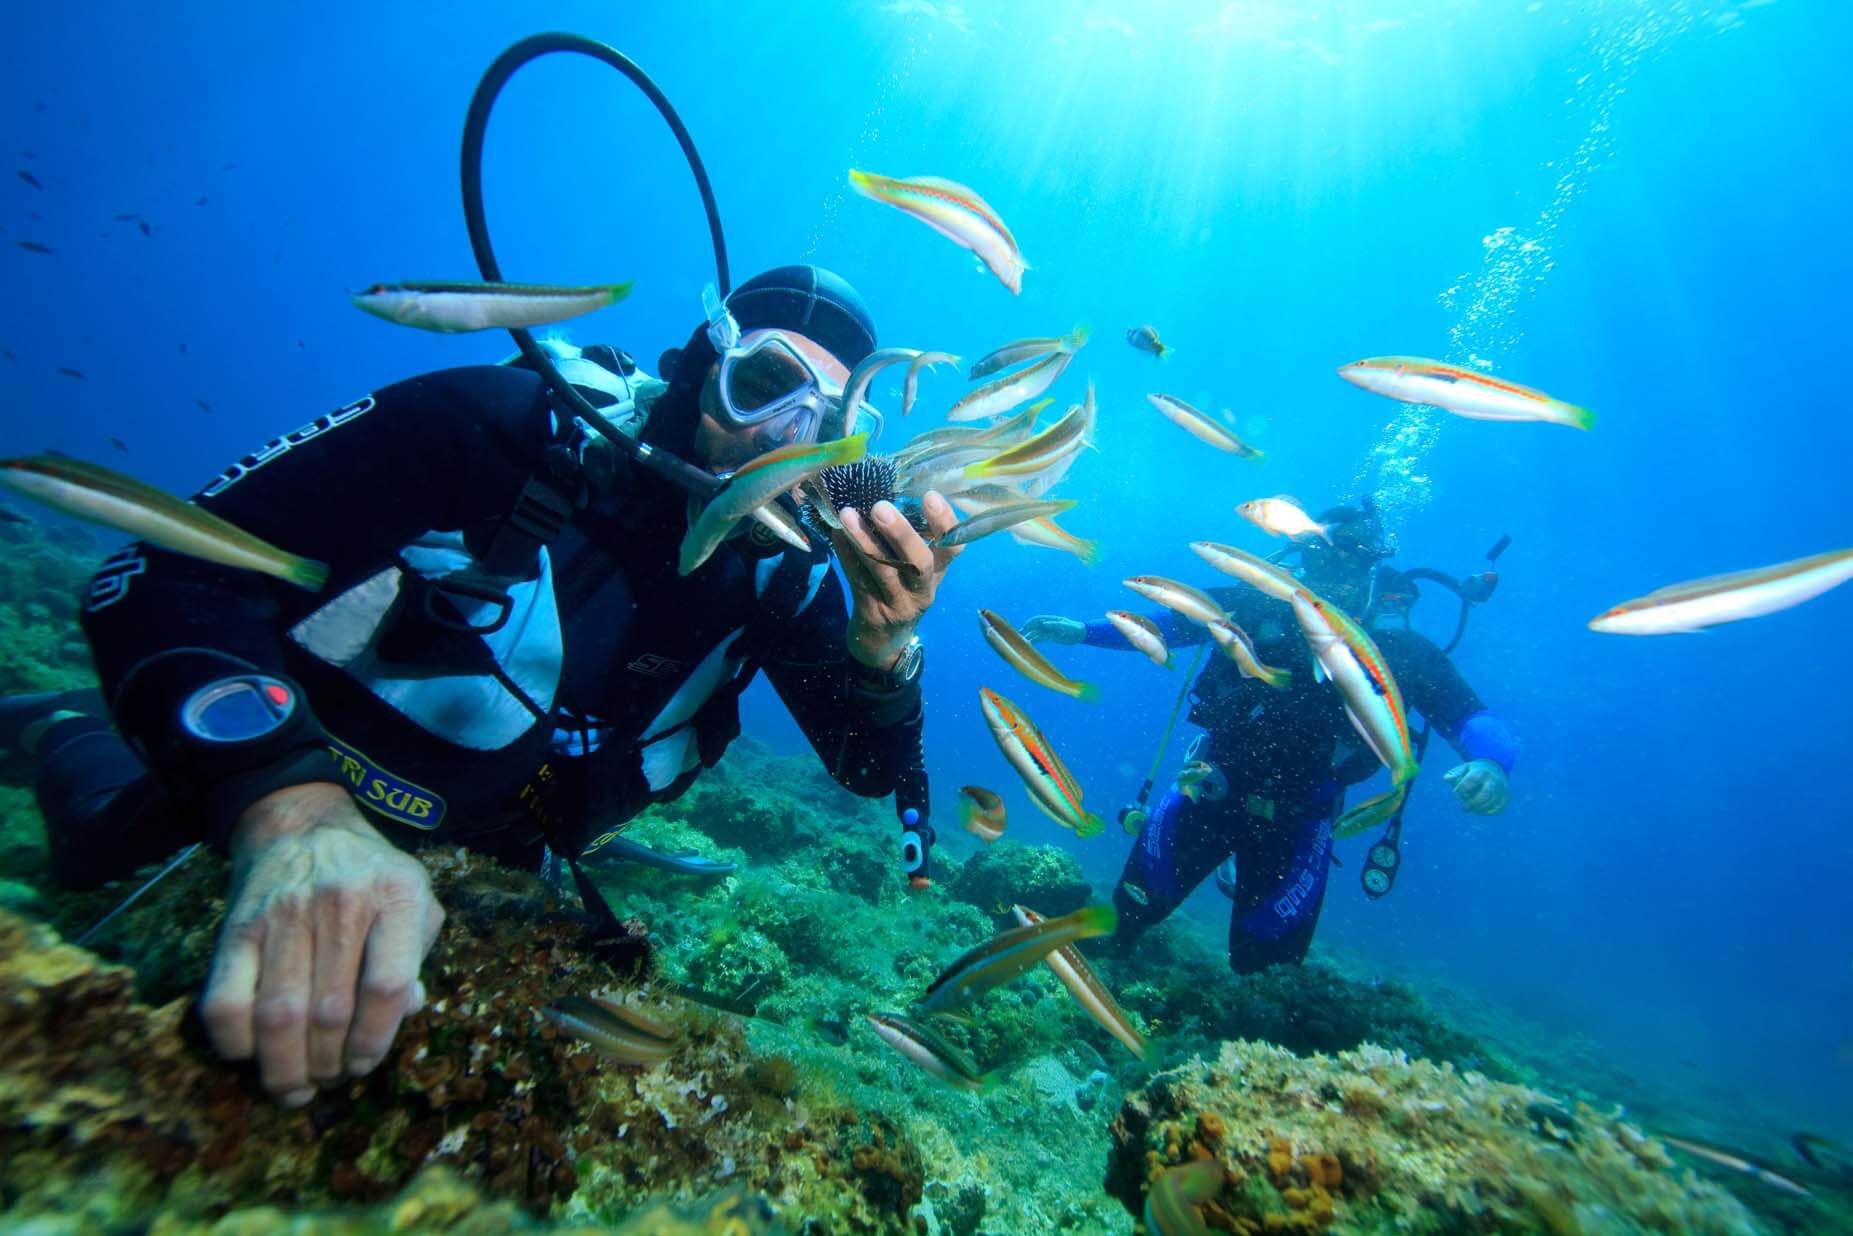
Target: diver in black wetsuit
{"points": [[505, 657], [1279, 761]]}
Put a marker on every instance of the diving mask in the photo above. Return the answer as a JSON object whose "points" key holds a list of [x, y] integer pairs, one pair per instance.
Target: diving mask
{"points": [[770, 390]]}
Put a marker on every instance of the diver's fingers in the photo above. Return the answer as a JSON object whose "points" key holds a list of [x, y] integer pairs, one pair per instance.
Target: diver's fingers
{"points": [[882, 583], [941, 519], [1455, 773], [855, 565], [909, 546], [232, 990], [281, 1014], [388, 977], [343, 915]]}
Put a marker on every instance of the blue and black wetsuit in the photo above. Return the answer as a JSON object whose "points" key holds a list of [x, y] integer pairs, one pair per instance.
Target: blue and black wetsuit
{"points": [[1284, 754], [610, 684]]}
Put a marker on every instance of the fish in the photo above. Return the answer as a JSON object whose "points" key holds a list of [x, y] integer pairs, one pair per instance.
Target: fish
{"points": [[451, 308], [1143, 634], [981, 813], [1736, 1163], [1819, 1152], [924, 1046], [1241, 649], [1710, 602], [955, 212], [1039, 452], [1017, 387], [69, 372], [1087, 989], [1010, 953], [1021, 350], [125, 218], [998, 519], [1145, 339], [203, 405], [1464, 392], [30, 179], [8, 353], [1048, 534], [1051, 476], [32, 246], [199, 201], [1373, 702], [757, 484], [100, 495], [1201, 427], [616, 1027], [1193, 603], [1191, 777], [1172, 1200], [143, 225], [911, 384], [1027, 660], [1051, 786], [1281, 517], [1275, 581], [842, 417], [119, 444]]}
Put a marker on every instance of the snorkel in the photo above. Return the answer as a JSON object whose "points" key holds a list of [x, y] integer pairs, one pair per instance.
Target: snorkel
{"points": [[668, 466]]}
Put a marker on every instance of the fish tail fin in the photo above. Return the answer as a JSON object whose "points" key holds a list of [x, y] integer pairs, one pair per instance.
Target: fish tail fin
{"points": [[1577, 417], [862, 182], [1089, 693], [1164, 351], [1100, 920], [307, 574], [1076, 337], [1091, 825], [1255, 456], [1324, 534], [1279, 679], [1171, 661], [1089, 552], [618, 291]]}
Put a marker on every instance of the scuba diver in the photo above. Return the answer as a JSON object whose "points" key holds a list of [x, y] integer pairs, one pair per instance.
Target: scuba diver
{"points": [[505, 658], [1264, 781]]}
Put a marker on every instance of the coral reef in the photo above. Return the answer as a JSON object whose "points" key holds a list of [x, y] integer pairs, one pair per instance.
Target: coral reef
{"points": [[1046, 879], [43, 572], [1374, 1141]]}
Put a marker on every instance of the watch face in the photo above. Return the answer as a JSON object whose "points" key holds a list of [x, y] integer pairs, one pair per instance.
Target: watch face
{"points": [[238, 709], [907, 665]]}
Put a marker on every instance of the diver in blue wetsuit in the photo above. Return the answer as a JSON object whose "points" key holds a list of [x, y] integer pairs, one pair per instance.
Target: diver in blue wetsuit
{"points": [[1274, 765], [505, 657]]}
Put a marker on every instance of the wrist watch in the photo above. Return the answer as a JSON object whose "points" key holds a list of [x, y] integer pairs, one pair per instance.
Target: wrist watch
{"points": [[902, 672]]}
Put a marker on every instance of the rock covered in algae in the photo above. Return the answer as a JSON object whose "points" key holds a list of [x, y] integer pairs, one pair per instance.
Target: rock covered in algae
{"points": [[1045, 878], [1371, 1141], [108, 1104]]}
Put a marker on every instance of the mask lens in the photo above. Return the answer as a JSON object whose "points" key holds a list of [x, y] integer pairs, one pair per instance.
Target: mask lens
{"points": [[763, 377]]}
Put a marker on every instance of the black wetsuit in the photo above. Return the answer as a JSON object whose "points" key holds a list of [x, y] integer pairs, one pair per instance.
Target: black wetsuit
{"points": [[612, 683], [1285, 755]]}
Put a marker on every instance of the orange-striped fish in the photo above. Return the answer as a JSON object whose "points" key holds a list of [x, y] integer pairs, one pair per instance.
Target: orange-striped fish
{"points": [[1172, 1200], [1009, 953], [1051, 786], [1087, 989], [981, 812], [1705, 603], [1464, 392], [956, 213], [1349, 657]]}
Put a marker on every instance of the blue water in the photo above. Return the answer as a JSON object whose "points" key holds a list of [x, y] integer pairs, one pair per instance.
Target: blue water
{"points": [[1279, 188]]}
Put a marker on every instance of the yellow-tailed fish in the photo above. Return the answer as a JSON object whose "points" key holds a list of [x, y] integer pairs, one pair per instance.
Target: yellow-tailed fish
{"points": [[1145, 339], [841, 418], [955, 212], [1010, 390], [1235, 643], [1281, 517], [1193, 603], [1051, 476], [1025, 350], [616, 1027], [910, 386], [1706, 603], [755, 485], [1735, 1162], [1050, 535], [1143, 634], [1051, 786], [1252, 569], [455, 307], [1040, 452], [1373, 702], [1009, 953], [1087, 989], [1171, 1201], [998, 519], [103, 496], [1191, 778], [1201, 427], [981, 813], [1023, 657], [924, 1046], [1464, 392]]}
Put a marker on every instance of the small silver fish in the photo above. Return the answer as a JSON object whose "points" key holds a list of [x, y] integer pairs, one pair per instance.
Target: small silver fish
{"points": [[454, 307]]}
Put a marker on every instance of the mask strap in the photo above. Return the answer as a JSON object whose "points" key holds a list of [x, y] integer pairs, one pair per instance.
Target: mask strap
{"points": [[723, 330]]}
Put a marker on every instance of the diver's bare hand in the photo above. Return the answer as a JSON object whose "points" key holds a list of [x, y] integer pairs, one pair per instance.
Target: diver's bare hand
{"points": [[326, 925], [888, 600], [1481, 786], [1054, 629]]}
